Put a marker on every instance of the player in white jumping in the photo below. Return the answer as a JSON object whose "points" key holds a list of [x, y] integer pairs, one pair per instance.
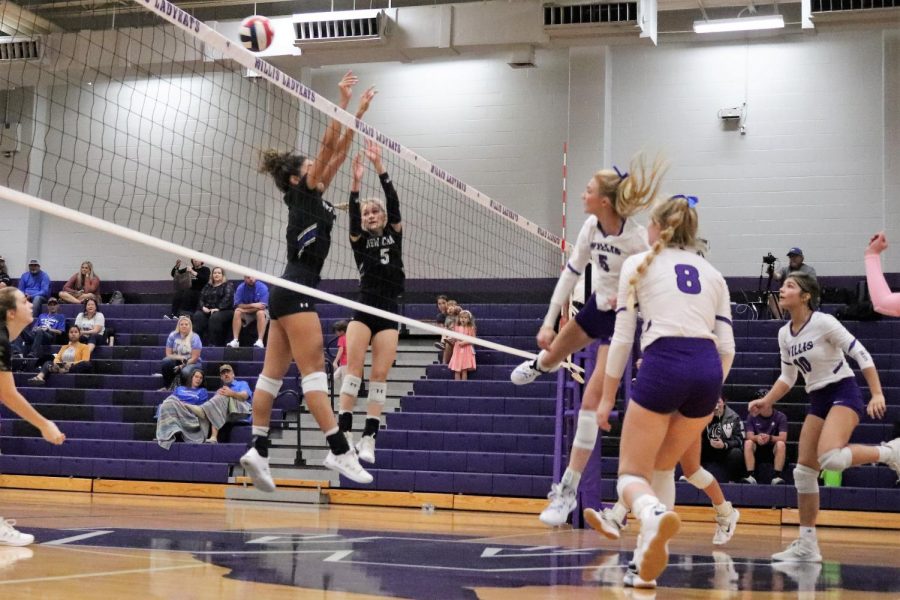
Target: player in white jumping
{"points": [[688, 348], [815, 344], [606, 239]]}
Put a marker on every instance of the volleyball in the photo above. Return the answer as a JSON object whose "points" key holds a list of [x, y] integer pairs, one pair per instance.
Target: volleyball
{"points": [[256, 33]]}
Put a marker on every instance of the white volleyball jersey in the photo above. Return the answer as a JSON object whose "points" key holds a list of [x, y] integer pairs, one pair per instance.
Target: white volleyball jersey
{"points": [[817, 351], [607, 252], [680, 295]]}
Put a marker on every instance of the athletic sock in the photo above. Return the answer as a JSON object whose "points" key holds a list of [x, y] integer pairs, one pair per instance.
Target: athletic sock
{"points": [[345, 420], [337, 441], [371, 428]]}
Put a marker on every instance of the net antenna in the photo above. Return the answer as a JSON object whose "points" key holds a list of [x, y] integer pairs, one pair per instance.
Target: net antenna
{"points": [[154, 134]]}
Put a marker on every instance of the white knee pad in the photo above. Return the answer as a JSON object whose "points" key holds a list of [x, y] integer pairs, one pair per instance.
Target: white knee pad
{"points": [[586, 430], [268, 385], [626, 480], [378, 392], [836, 460], [315, 382], [701, 479], [663, 484], [351, 385], [806, 480]]}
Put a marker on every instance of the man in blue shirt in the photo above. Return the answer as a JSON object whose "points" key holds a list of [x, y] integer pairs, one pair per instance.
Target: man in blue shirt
{"points": [[251, 302], [44, 331], [35, 284], [231, 403]]}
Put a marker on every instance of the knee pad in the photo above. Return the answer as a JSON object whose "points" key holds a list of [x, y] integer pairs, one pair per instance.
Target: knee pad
{"points": [[626, 480], [663, 484], [315, 382], [268, 385], [378, 392], [351, 385], [701, 479], [836, 460], [586, 430], [806, 480]]}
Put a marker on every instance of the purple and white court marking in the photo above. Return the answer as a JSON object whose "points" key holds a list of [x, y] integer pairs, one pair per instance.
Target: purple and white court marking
{"points": [[451, 567]]}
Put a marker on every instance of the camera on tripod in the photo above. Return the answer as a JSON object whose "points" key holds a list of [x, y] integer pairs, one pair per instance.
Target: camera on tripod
{"points": [[769, 259]]}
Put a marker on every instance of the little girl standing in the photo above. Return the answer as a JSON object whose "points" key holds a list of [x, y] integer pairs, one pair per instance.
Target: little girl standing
{"points": [[463, 359]]}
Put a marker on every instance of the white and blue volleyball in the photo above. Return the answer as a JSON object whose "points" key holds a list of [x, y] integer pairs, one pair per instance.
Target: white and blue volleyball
{"points": [[256, 33]]}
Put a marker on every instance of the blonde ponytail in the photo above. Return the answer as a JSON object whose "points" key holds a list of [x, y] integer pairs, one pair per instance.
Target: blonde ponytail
{"points": [[680, 221]]}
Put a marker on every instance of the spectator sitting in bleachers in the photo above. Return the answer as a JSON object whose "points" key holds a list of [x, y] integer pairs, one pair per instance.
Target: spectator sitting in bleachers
{"points": [[82, 286], [215, 311], [180, 412], [251, 302], [35, 284], [92, 325], [183, 349], [766, 440], [440, 320], [230, 403], [453, 310], [722, 442], [186, 297], [44, 331], [4, 274], [74, 357], [340, 358]]}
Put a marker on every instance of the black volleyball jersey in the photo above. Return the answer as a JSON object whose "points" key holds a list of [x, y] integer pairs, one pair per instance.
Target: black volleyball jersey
{"points": [[5, 349], [379, 258], [310, 220]]}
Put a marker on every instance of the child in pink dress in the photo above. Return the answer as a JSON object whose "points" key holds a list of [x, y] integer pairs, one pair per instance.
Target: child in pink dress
{"points": [[463, 359]]}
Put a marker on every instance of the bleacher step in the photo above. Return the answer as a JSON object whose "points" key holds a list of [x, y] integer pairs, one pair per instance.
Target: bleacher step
{"points": [[292, 495]]}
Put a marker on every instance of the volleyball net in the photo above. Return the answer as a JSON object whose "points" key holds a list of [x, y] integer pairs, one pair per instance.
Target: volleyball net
{"points": [[154, 134]]}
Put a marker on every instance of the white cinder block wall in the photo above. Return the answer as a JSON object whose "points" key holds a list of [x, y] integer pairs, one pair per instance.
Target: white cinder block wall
{"points": [[809, 170], [818, 166]]}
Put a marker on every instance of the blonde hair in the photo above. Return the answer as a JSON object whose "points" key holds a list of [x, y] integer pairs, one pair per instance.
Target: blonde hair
{"points": [[190, 323], [377, 202], [81, 279], [678, 224], [632, 191], [471, 324]]}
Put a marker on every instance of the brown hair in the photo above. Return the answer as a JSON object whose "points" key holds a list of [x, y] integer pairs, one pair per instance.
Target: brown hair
{"points": [[808, 284], [281, 166], [634, 190], [7, 301], [678, 223]]}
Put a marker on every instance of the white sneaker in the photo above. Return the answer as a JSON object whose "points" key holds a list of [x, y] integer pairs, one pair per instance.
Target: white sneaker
{"points": [[347, 464], [258, 344], [725, 526], [749, 479], [562, 502], [366, 449], [604, 522], [632, 579], [10, 536], [257, 468], [658, 526], [233, 343], [528, 371], [799, 551], [777, 481], [894, 461]]}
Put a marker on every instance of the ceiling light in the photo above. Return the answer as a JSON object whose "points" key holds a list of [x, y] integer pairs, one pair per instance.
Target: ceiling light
{"points": [[741, 24]]}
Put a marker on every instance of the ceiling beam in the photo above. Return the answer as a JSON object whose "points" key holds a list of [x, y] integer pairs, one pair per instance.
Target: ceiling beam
{"points": [[16, 20]]}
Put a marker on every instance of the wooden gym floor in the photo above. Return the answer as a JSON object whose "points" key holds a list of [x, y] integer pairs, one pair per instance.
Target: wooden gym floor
{"points": [[115, 546]]}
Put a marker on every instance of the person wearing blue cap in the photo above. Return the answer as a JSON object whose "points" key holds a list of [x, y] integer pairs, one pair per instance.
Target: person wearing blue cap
{"points": [[795, 258]]}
